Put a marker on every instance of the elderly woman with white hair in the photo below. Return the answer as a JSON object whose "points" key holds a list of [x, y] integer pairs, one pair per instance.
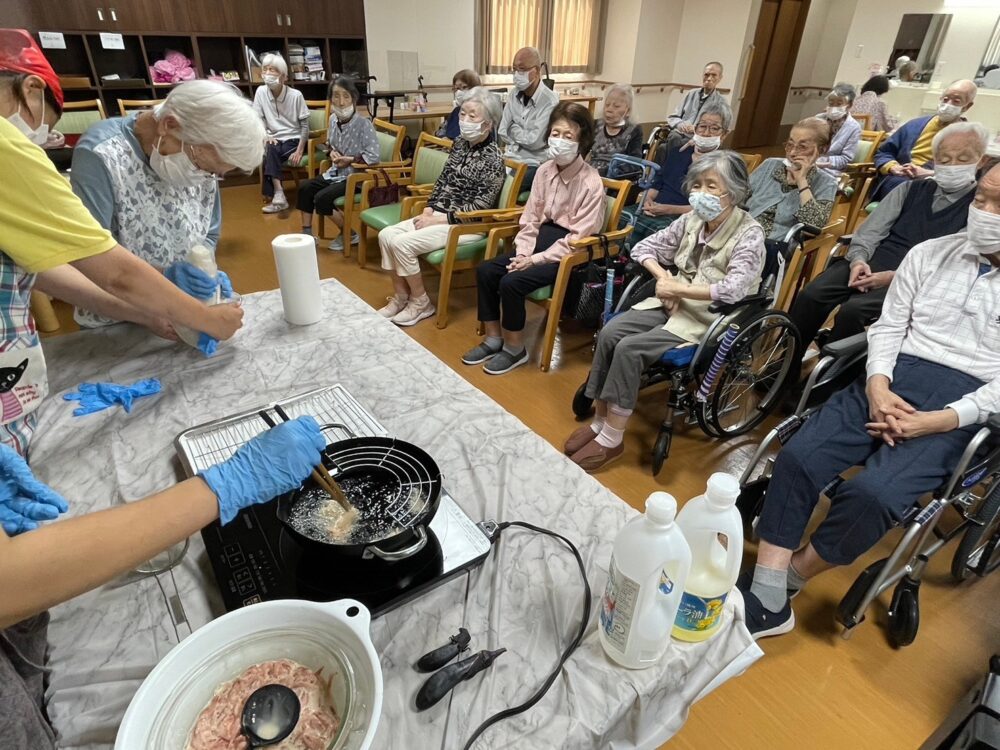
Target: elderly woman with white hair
{"points": [[286, 120], [150, 177], [718, 250], [616, 133], [845, 131], [471, 180]]}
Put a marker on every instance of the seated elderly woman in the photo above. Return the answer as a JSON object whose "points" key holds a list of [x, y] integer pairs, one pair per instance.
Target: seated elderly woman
{"points": [[845, 131], [615, 132], [667, 199], [793, 190], [718, 250], [286, 120], [461, 84], [566, 203], [870, 103], [150, 177], [351, 140], [471, 180]]}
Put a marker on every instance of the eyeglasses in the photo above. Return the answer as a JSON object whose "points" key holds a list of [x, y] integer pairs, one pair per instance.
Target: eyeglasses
{"points": [[710, 129], [799, 148]]}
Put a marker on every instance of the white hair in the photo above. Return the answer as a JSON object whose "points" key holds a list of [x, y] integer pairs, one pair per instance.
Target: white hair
{"points": [[275, 60], [625, 90], [488, 102], [213, 113], [957, 129]]}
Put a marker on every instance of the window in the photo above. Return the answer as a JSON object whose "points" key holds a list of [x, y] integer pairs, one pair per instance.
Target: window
{"points": [[564, 31]]}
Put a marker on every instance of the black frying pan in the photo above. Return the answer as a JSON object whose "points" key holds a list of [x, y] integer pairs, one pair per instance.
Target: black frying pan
{"points": [[395, 486]]}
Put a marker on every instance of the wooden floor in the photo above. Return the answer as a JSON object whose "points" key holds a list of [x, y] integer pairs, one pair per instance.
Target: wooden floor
{"points": [[812, 689]]}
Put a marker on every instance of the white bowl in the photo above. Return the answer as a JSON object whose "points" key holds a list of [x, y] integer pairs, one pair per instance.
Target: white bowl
{"points": [[331, 635]]}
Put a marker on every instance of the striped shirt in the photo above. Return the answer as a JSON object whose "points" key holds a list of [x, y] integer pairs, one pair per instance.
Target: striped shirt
{"points": [[943, 305]]}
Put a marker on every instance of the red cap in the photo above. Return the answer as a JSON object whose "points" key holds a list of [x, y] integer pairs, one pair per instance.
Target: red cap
{"points": [[19, 53]]}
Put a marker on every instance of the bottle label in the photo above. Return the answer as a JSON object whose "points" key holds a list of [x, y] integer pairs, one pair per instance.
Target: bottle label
{"points": [[618, 607], [666, 585], [698, 614]]}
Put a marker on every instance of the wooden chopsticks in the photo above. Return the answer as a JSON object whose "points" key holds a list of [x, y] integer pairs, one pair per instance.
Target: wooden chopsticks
{"points": [[319, 473]]}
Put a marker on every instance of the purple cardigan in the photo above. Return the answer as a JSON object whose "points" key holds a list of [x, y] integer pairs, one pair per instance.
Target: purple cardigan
{"points": [[843, 147]]}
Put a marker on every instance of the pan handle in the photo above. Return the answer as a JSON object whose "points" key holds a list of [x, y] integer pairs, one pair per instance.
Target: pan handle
{"points": [[376, 551], [337, 426]]}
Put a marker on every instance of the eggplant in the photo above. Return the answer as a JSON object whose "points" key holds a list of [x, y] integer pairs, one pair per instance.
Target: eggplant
{"points": [[439, 684], [440, 656]]}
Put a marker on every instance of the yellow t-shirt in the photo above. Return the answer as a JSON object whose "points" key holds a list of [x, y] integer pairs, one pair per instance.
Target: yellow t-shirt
{"points": [[921, 152], [42, 223]]}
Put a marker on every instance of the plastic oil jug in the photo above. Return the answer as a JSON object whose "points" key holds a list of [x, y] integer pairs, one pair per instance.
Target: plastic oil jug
{"points": [[649, 565], [201, 258], [714, 531]]}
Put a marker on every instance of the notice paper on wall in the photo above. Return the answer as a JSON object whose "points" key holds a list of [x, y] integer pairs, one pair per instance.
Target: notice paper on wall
{"points": [[52, 40], [112, 41]]}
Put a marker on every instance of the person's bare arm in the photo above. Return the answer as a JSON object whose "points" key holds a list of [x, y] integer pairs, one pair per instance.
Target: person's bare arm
{"points": [[137, 283], [42, 568], [66, 283]]}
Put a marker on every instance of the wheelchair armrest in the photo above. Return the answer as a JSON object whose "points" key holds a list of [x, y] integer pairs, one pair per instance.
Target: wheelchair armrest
{"points": [[845, 239], [848, 347], [801, 232], [728, 307]]}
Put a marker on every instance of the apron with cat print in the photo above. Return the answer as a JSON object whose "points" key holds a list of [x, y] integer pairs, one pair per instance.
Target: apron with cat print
{"points": [[23, 380]]}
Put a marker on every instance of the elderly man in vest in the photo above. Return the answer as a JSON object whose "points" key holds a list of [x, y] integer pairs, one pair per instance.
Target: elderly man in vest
{"points": [[907, 154], [912, 213], [933, 377]]}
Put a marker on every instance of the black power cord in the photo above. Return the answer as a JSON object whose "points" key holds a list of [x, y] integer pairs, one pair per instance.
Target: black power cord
{"points": [[514, 710]]}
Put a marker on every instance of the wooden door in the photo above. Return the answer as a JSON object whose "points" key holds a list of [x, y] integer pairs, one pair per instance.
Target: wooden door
{"points": [[763, 95], [72, 15], [257, 16], [339, 17], [152, 16], [211, 16]]}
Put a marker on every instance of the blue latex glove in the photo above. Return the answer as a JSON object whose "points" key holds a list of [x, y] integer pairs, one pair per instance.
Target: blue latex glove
{"points": [[23, 499], [273, 463], [207, 345], [95, 397], [192, 280]]}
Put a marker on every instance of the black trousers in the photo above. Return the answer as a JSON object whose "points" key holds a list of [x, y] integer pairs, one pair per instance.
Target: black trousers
{"points": [[275, 156], [319, 194], [502, 291], [814, 304]]}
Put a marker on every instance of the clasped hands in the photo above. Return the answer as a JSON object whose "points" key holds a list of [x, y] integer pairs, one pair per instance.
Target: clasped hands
{"points": [[894, 420], [910, 170], [864, 280], [668, 291]]}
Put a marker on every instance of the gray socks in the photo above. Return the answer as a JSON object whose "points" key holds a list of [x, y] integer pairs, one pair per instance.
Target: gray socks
{"points": [[512, 351], [493, 343], [771, 587]]}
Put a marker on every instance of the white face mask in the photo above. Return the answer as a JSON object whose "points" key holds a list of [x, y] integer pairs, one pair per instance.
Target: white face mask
{"points": [[707, 142], [836, 113], [948, 112], [954, 177], [561, 151], [521, 80], [272, 79], [344, 113], [706, 205], [460, 97], [470, 131], [38, 135], [983, 230], [176, 169]]}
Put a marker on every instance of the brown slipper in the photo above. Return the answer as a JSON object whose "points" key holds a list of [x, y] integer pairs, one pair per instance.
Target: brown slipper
{"points": [[594, 456], [578, 439]]}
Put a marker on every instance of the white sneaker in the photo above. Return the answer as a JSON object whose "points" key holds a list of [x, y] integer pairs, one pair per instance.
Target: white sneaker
{"points": [[415, 311], [276, 206], [393, 306], [337, 243]]}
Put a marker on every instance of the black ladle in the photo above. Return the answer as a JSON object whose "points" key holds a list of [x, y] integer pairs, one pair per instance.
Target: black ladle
{"points": [[269, 715]]}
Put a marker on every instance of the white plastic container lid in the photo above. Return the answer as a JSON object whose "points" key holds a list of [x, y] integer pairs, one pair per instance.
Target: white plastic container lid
{"points": [[661, 508], [723, 490]]}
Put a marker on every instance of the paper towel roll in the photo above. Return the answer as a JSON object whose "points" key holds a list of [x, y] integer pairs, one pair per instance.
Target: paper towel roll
{"points": [[298, 278]]}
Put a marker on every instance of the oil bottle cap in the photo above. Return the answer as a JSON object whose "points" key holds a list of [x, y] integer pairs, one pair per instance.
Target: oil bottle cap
{"points": [[661, 508], [723, 490]]}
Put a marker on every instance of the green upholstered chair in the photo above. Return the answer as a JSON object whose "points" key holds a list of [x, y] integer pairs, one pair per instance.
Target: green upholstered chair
{"points": [[858, 177], [78, 116], [319, 122], [551, 297], [429, 158]]}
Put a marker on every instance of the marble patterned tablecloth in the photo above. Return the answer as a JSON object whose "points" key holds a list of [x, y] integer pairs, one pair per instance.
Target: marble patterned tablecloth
{"points": [[525, 597]]}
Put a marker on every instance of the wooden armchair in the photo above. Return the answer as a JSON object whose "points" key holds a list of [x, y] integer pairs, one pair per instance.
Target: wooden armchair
{"points": [[429, 158], [806, 263], [858, 176], [457, 255], [78, 116], [390, 154], [131, 105], [752, 161], [585, 248]]}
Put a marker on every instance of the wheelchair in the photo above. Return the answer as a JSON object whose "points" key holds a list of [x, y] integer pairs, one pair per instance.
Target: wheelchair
{"points": [[737, 373], [972, 493], [642, 173]]}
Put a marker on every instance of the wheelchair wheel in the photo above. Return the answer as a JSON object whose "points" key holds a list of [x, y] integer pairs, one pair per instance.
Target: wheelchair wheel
{"points": [[753, 377], [583, 405], [849, 604], [904, 613], [976, 540], [661, 449]]}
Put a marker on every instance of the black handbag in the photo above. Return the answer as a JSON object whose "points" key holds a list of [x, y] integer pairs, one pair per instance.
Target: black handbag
{"points": [[585, 291]]}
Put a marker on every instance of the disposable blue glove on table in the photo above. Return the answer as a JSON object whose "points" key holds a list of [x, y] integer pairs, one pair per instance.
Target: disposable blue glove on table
{"points": [[192, 280], [94, 397], [273, 463], [23, 499]]}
